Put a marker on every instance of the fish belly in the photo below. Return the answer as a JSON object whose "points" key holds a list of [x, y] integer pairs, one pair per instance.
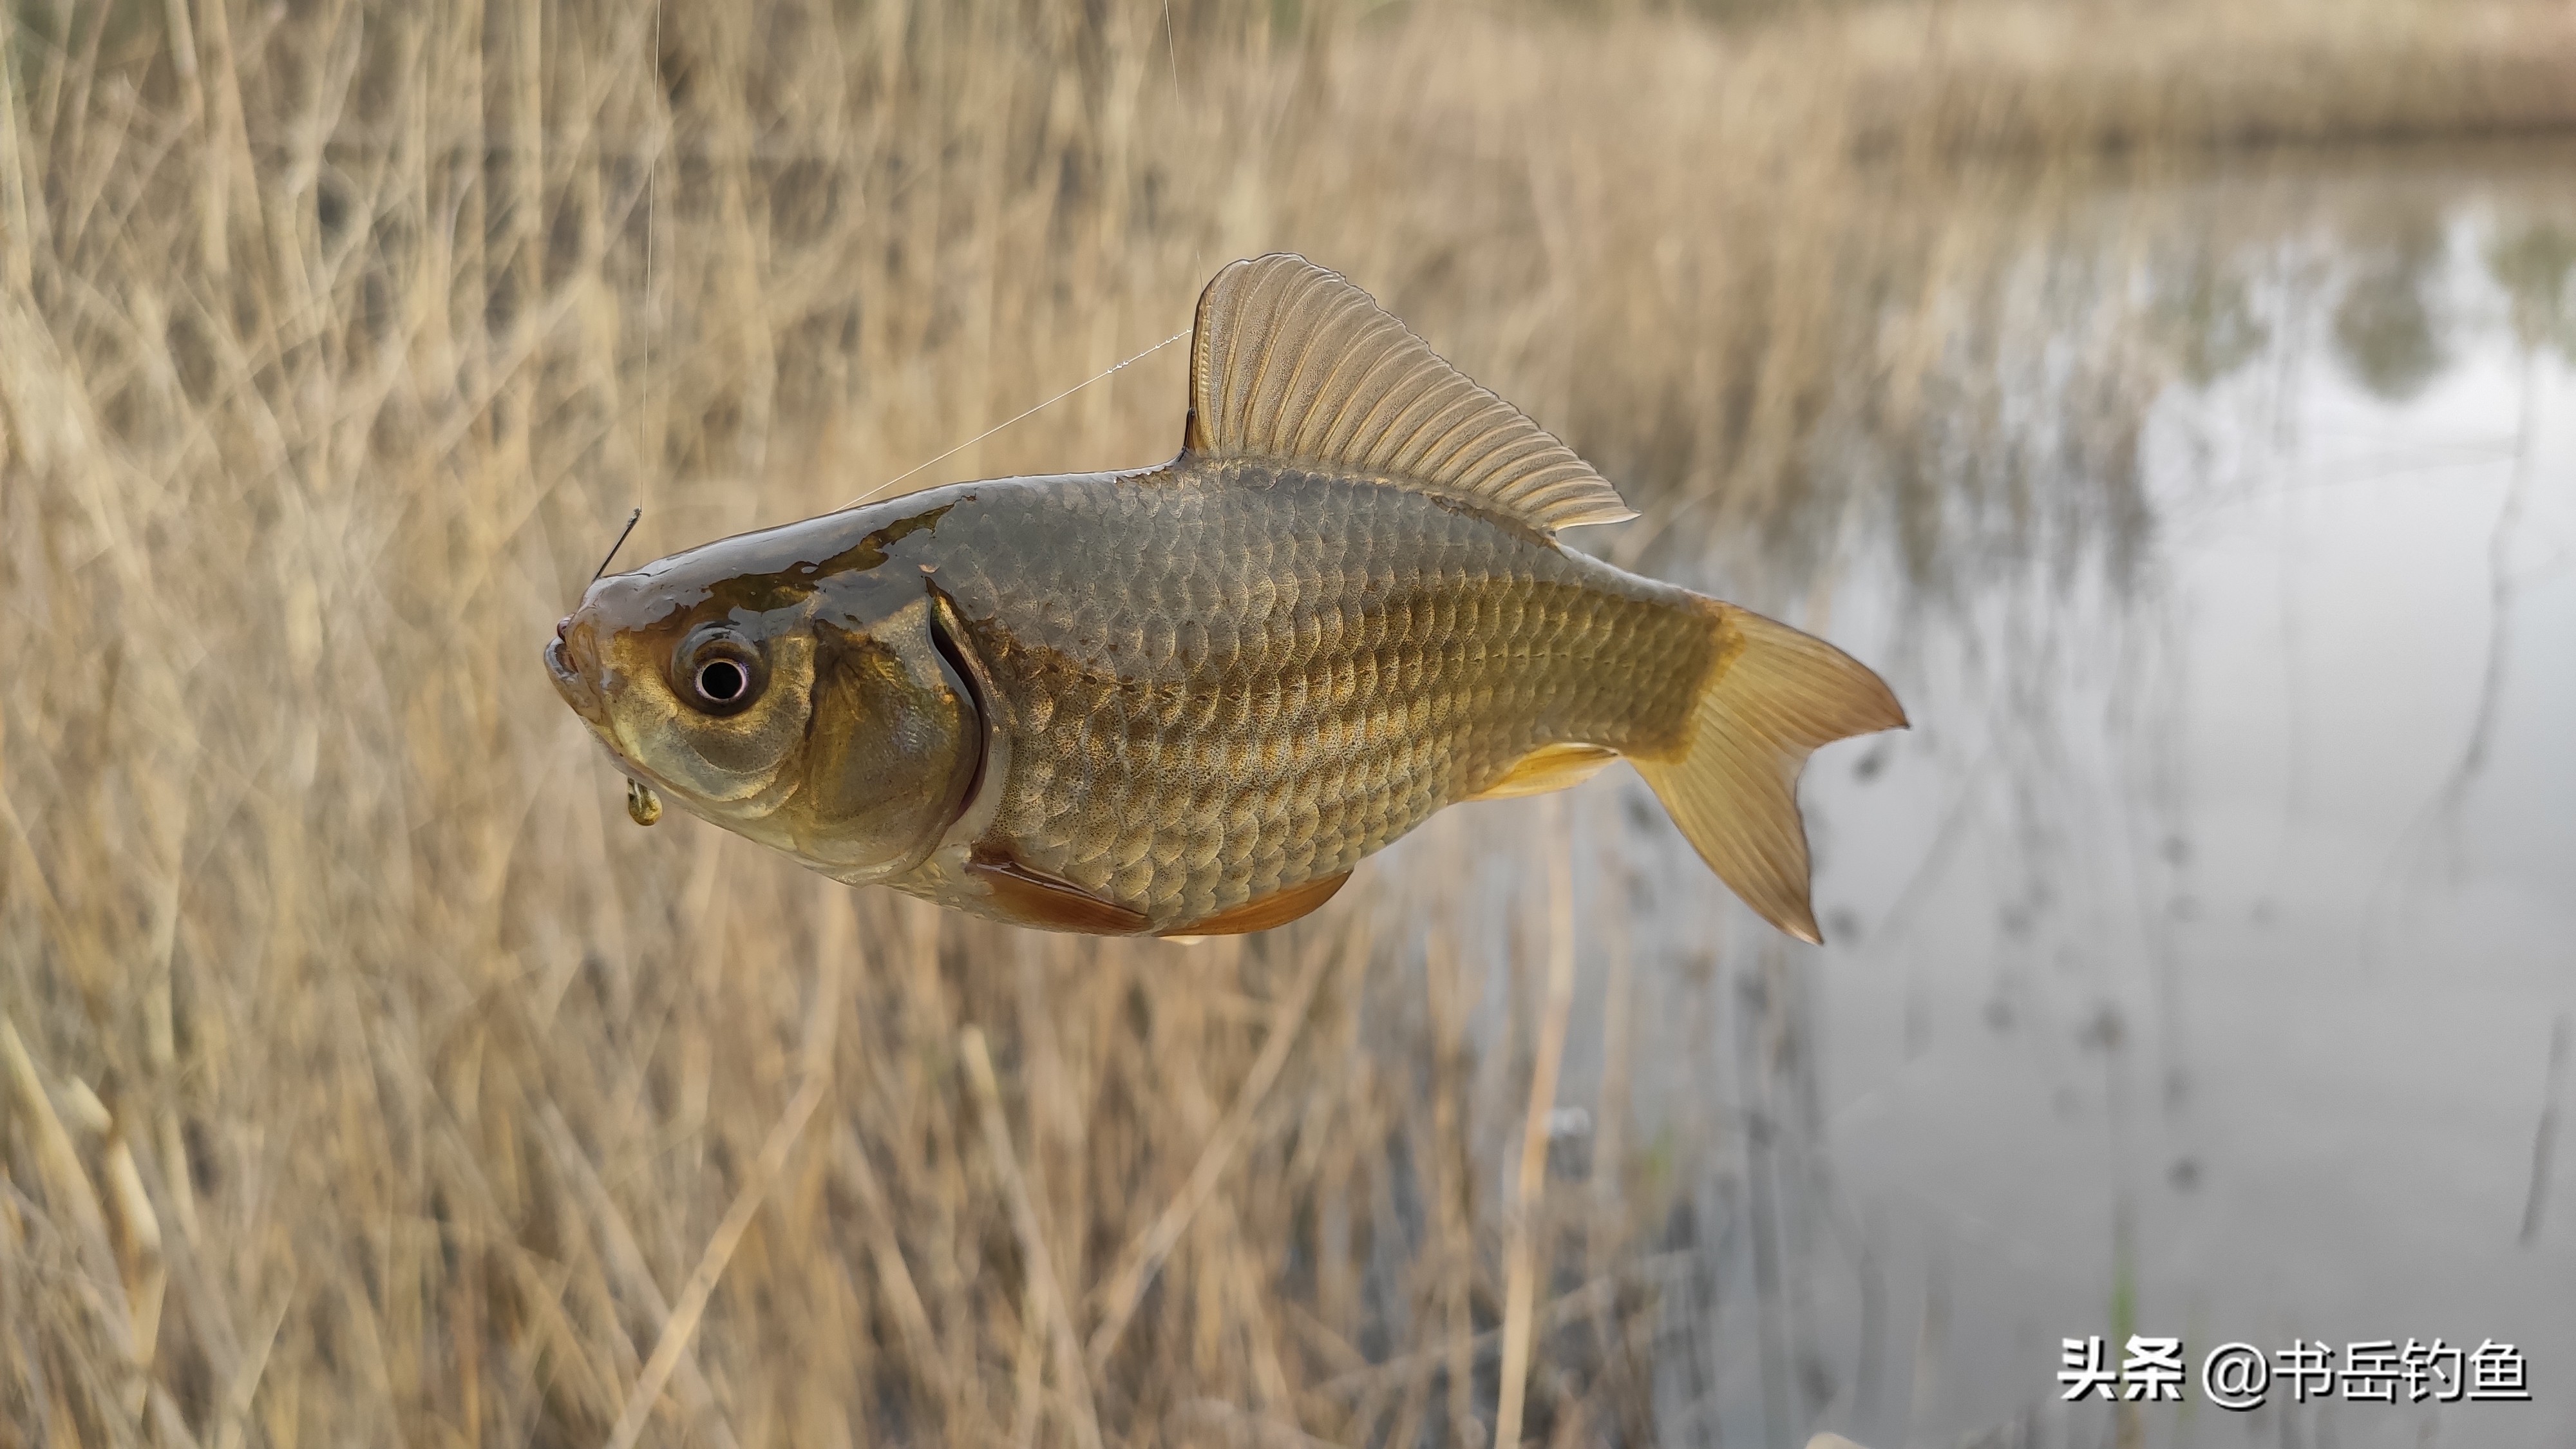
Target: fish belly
{"points": [[1221, 683]]}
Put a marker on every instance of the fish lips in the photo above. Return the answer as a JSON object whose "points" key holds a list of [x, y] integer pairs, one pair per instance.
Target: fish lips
{"points": [[571, 661]]}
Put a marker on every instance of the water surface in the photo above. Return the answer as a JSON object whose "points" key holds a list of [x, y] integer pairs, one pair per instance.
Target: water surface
{"points": [[2197, 957]]}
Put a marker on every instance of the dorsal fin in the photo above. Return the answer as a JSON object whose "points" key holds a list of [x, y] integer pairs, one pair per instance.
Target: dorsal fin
{"points": [[1291, 362]]}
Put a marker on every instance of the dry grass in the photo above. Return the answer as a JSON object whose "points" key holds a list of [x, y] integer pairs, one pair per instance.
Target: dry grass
{"points": [[365, 1078]]}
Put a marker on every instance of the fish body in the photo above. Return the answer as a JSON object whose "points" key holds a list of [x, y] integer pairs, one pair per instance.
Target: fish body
{"points": [[1190, 699]]}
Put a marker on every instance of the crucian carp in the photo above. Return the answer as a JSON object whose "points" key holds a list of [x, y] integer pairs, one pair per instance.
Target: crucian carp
{"points": [[1189, 699]]}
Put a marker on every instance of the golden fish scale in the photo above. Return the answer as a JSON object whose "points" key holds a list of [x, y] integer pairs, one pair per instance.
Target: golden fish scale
{"points": [[1222, 680]]}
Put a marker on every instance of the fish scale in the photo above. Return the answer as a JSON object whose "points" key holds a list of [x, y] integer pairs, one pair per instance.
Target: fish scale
{"points": [[1373, 654]]}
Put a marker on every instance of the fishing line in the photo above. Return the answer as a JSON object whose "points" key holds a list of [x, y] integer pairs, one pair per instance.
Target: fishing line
{"points": [[652, 195], [1006, 422], [1172, 53], [652, 179], [597, 573], [1181, 108], [644, 414]]}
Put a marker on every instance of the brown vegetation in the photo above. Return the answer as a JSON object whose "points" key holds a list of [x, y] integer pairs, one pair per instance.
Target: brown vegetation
{"points": [[364, 1077]]}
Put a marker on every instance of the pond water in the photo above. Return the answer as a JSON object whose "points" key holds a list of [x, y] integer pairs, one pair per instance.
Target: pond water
{"points": [[2201, 960]]}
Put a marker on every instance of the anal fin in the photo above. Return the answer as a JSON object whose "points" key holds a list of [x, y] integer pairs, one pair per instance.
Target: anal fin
{"points": [[1549, 767], [1275, 909], [1031, 899]]}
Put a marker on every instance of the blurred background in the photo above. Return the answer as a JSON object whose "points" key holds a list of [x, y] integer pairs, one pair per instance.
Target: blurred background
{"points": [[2176, 401]]}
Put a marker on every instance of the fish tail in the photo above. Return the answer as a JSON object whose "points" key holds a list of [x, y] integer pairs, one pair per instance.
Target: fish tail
{"points": [[1772, 696]]}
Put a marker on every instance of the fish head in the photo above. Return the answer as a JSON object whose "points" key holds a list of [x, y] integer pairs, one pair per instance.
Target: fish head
{"points": [[793, 691]]}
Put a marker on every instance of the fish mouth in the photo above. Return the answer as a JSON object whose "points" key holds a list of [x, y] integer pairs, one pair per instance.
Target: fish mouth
{"points": [[565, 662]]}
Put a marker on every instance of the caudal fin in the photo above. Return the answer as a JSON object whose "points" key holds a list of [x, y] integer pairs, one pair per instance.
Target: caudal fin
{"points": [[1774, 696]]}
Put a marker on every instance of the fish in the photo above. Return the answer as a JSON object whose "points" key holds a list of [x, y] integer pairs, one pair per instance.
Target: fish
{"points": [[1188, 700]]}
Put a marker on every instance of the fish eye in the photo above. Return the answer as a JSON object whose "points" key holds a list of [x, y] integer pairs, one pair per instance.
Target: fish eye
{"points": [[719, 672], [722, 681]]}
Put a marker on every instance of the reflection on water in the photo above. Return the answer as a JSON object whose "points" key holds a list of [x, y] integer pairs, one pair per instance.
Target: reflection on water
{"points": [[2385, 328], [2197, 956]]}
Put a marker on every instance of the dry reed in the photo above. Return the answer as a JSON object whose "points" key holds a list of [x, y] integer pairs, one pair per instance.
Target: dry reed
{"points": [[370, 1080]]}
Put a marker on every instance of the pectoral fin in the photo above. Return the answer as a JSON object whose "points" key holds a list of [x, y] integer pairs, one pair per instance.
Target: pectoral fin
{"points": [[1022, 895], [1275, 909], [1549, 767]]}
